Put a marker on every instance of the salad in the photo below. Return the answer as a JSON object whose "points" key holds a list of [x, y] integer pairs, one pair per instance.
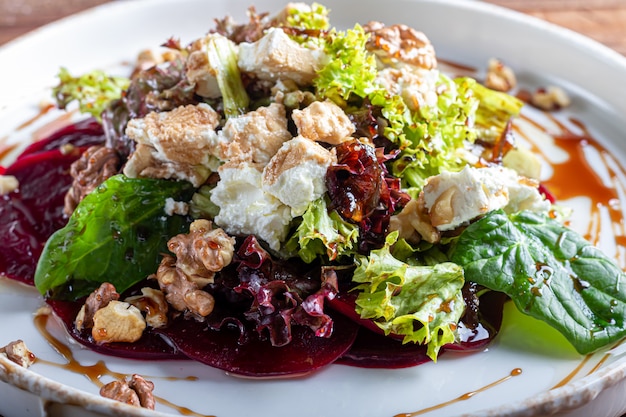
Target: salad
{"points": [[302, 196]]}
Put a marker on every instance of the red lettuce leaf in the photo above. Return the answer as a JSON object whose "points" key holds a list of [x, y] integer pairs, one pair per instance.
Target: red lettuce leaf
{"points": [[281, 294], [362, 191]]}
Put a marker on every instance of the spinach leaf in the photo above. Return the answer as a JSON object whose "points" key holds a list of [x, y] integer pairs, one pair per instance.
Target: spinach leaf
{"points": [[116, 234], [550, 272]]}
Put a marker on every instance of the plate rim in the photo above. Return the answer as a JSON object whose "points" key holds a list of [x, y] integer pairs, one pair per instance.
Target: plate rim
{"points": [[593, 383]]}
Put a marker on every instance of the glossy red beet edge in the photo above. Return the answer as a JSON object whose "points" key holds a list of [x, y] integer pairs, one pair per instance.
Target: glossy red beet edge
{"points": [[29, 215], [267, 338]]}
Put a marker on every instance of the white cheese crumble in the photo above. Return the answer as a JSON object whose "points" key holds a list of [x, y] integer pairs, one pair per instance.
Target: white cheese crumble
{"points": [[245, 209], [296, 174], [277, 57], [8, 184], [176, 207], [454, 198]]}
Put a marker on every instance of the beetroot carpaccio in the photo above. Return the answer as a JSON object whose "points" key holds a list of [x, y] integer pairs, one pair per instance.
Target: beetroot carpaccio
{"points": [[349, 205]]}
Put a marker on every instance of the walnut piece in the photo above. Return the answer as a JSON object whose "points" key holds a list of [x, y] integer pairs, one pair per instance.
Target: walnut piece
{"points": [[402, 43], [95, 165], [550, 98], [152, 302], [202, 252], [199, 255], [118, 322], [182, 293], [136, 392], [98, 299], [17, 352], [324, 121], [413, 223], [499, 76]]}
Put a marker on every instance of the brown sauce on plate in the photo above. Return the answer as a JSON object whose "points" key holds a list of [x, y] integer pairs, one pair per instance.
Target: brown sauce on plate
{"points": [[99, 369], [464, 397]]}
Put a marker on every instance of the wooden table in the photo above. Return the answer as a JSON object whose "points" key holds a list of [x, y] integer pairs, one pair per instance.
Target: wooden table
{"points": [[602, 20]]}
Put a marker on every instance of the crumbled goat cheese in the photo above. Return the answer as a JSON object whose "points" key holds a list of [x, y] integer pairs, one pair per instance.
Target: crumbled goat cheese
{"points": [[277, 57], [245, 209], [255, 136], [416, 86], [454, 198], [199, 71], [323, 121], [177, 144], [176, 207], [296, 174]]}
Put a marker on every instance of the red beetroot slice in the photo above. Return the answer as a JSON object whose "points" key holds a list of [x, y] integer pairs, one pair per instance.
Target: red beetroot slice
{"points": [[81, 134], [258, 358], [372, 350], [151, 346], [31, 214]]}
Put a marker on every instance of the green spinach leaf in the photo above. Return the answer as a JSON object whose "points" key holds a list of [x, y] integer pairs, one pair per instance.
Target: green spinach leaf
{"points": [[116, 234], [550, 272]]}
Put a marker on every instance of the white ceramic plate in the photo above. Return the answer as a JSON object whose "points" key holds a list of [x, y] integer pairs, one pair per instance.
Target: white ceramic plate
{"points": [[462, 31]]}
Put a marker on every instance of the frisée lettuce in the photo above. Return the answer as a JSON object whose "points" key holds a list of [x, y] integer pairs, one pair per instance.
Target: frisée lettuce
{"points": [[421, 303], [323, 233], [93, 91]]}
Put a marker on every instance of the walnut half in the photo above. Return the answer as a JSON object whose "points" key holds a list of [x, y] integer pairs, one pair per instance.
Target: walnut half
{"points": [[199, 255], [95, 165], [118, 322], [401, 42], [110, 320], [136, 392]]}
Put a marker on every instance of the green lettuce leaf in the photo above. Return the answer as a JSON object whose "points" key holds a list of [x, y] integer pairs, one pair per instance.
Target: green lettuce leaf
{"points": [[550, 272], [93, 91], [421, 303], [323, 234], [117, 234], [222, 56], [314, 19], [350, 70], [438, 138], [495, 108]]}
